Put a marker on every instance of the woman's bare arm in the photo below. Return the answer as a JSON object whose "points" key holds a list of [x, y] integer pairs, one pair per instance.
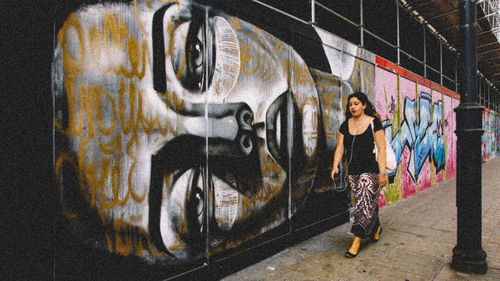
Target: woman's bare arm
{"points": [[337, 156], [380, 143]]}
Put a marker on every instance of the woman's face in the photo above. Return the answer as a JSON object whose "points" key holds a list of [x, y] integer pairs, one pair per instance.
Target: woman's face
{"points": [[356, 107]]}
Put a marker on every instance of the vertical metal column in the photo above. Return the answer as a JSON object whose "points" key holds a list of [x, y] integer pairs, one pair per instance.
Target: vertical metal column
{"points": [[456, 74], [398, 49], [361, 25], [441, 62], [425, 50], [313, 11], [489, 99], [468, 254]]}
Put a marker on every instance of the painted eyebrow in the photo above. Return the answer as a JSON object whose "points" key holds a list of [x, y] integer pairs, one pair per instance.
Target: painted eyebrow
{"points": [[159, 75]]}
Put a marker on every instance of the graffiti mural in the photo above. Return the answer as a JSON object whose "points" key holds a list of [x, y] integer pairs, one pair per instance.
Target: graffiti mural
{"points": [[184, 131], [418, 124], [497, 134], [488, 138], [451, 145]]}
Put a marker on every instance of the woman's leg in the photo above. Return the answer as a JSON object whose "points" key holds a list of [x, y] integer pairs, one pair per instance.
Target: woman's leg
{"points": [[354, 249], [377, 234], [366, 193]]}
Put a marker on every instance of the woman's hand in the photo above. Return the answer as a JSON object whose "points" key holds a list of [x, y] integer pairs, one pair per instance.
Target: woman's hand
{"points": [[382, 179], [334, 172]]}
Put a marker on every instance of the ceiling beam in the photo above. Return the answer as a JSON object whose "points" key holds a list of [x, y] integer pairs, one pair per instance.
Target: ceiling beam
{"points": [[488, 51], [488, 31], [443, 14], [487, 44], [489, 59], [423, 4]]}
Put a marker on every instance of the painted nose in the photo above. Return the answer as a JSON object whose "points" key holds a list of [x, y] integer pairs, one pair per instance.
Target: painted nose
{"points": [[228, 128]]}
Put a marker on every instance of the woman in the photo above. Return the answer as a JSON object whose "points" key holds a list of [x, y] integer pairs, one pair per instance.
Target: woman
{"points": [[365, 173]]}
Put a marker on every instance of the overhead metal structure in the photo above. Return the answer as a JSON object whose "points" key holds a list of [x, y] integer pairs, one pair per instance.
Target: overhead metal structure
{"points": [[443, 16]]}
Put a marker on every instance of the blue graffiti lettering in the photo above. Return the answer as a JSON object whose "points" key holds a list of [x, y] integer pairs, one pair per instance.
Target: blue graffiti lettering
{"points": [[424, 135]]}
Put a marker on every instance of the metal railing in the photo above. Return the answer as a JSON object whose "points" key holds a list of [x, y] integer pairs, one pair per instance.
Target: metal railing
{"points": [[491, 10], [423, 65]]}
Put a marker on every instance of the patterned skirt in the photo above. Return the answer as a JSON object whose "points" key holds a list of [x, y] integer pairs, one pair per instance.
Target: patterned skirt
{"points": [[366, 194]]}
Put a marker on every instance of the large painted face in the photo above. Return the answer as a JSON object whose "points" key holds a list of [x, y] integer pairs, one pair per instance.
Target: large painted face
{"points": [[179, 123], [241, 108]]}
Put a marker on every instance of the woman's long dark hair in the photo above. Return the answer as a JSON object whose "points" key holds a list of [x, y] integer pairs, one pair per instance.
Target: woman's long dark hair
{"points": [[369, 110]]}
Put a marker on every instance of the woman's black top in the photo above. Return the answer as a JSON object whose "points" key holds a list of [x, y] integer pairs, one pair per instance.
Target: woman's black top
{"points": [[359, 149]]}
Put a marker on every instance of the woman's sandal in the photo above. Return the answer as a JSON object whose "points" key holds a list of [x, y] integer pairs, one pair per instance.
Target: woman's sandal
{"points": [[375, 240], [350, 255]]}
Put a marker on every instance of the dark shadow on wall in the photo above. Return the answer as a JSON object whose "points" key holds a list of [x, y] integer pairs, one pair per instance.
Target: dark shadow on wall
{"points": [[278, 25], [27, 183], [77, 261]]}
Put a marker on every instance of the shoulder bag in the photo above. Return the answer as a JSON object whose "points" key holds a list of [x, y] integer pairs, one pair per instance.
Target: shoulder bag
{"points": [[390, 158]]}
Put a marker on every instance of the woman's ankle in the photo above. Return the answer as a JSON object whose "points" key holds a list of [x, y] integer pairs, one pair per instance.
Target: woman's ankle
{"points": [[377, 234]]}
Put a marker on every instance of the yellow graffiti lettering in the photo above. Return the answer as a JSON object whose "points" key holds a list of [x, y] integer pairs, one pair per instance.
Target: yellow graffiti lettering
{"points": [[131, 191], [134, 56], [176, 103], [96, 92], [72, 65], [177, 244], [300, 73], [112, 146], [234, 22], [246, 57], [136, 11], [59, 164], [132, 97], [278, 44], [111, 34], [123, 239], [95, 43]]}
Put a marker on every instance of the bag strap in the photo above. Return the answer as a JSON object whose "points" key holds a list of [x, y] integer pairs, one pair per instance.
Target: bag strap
{"points": [[373, 132], [372, 124]]}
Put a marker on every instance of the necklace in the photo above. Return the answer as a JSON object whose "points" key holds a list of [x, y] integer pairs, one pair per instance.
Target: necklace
{"points": [[356, 124]]}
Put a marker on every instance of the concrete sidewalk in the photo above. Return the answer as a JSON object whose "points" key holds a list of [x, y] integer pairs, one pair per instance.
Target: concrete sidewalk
{"points": [[416, 244]]}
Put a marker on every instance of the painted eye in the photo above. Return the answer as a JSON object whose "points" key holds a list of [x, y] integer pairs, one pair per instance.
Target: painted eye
{"points": [[197, 202], [191, 57], [195, 61], [188, 56], [204, 56], [195, 53]]}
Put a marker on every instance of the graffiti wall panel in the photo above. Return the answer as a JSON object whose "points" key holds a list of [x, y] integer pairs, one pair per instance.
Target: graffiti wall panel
{"points": [[111, 122], [406, 112], [185, 132], [419, 162], [414, 120], [386, 102], [488, 137], [497, 134], [449, 131], [328, 198], [179, 125], [250, 189], [437, 156]]}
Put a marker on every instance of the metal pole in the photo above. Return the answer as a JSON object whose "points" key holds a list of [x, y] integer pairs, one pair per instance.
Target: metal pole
{"points": [[313, 11], [456, 74], [489, 99], [441, 62], [361, 24], [425, 50], [468, 254], [397, 34]]}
